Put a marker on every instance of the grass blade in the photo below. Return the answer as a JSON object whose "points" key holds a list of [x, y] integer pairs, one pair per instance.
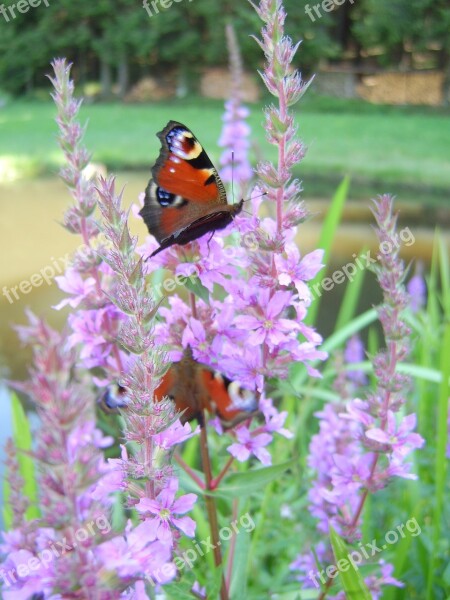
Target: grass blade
{"points": [[351, 298], [23, 441], [351, 578], [329, 227], [440, 460]]}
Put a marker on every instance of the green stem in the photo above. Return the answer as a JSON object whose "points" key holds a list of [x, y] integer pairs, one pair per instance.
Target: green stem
{"points": [[211, 508]]}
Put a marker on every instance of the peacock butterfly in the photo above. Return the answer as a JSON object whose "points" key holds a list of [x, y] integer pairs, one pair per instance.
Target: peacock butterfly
{"points": [[185, 197], [194, 388]]}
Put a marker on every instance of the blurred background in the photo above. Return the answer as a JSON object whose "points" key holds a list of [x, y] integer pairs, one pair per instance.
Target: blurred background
{"points": [[377, 111]]}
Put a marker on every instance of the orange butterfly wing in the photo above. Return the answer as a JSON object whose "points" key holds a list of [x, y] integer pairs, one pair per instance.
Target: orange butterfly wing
{"points": [[195, 388], [183, 168]]}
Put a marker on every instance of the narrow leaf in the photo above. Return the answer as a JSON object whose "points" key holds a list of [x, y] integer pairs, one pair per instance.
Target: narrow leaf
{"points": [[351, 298], [328, 232], [22, 439], [243, 484], [440, 461], [239, 577], [197, 288], [351, 578]]}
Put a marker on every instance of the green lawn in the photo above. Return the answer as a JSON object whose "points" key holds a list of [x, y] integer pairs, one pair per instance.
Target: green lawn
{"points": [[380, 147]]}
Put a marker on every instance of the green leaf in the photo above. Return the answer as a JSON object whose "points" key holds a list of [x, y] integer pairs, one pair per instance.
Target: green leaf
{"points": [[187, 484], [236, 484], [440, 462], [239, 577], [181, 590], [419, 372], [118, 514], [243, 484], [298, 373], [445, 274], [197, 288], [23, 442], [213, 586], [202, 532], [338, 338], [351, 297], [329, 227], [351, 578]]}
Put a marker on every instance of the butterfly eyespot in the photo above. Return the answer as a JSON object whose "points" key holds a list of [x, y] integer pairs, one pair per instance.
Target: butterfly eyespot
{"points": [[242, 398], [165, 199], [113, 399], [186, 148]]}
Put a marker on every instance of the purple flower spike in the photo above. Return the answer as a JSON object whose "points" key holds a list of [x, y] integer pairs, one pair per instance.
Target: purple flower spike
{"points": [[354, 353], [359, 450], [417, 290], [235, 133]]}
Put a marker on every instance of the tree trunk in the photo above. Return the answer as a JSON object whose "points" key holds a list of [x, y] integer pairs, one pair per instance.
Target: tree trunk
{"points": [[445, 65], [83, 67], [29, 85], [123, 74], [105, 79]]}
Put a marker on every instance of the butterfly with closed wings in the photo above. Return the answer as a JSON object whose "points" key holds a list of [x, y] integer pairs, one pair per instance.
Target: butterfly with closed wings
{"points": [[185, 197]]}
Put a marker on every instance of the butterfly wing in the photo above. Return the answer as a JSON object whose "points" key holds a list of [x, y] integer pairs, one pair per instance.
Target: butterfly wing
{"points": [[113, 399], [227, 399], [181, 385], [186, 197], [183, 168], [194, 388]]}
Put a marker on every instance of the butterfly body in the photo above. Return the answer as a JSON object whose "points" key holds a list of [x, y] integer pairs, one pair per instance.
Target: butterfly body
{"points": [[195, 388], [185, 197]]}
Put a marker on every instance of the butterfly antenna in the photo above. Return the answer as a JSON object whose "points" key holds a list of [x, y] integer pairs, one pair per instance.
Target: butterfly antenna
{"points": [[254, 197], [209, 239], [250, 198]]}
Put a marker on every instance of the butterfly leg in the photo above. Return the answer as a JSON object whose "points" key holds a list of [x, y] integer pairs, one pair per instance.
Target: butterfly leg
{"points": [[209, 239]]}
